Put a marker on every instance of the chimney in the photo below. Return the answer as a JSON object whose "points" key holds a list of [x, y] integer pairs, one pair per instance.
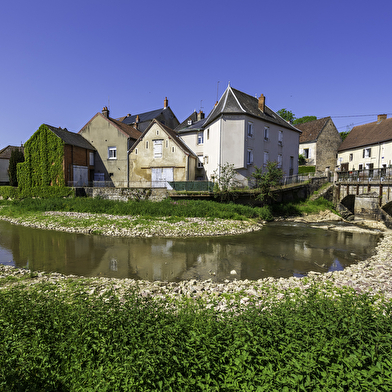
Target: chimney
{"points": [[105, 112], [262, 103], [165, 103], [381, 117], [200, 115], [137, 122]]}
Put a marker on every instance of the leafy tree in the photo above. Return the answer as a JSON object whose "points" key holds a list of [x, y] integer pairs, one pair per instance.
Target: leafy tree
{"points": [[304, 119], [286, 115], [226, 177], [16, 157], [301, 159], [344, 134], [266, 180]]}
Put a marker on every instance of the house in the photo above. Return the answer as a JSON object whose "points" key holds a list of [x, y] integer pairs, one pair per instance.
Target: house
{"points": [[243, 131], [55, 156], [191, 128], [5, 155], [112, 140], [319, 143], [160, 156], [367, 146], [143, 120]]}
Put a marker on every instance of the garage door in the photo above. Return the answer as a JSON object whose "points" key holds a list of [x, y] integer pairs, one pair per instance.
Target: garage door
{"points": [[160, 177], [80, 175]]}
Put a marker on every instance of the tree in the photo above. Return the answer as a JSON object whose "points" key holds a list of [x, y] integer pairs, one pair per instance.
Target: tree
{"points": [[226, 178], [267, 180], [304, 119], [286, 115], [16, 157]]}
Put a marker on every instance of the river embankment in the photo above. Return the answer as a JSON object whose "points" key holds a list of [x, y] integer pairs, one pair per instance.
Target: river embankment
{"points": [[373, 275]]}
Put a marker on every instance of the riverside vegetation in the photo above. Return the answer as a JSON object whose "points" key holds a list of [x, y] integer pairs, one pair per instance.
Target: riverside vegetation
{"points": [[77, 334]]}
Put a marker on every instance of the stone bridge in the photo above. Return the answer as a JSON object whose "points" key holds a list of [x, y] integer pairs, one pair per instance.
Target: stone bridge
{"points": [[370, 199]]}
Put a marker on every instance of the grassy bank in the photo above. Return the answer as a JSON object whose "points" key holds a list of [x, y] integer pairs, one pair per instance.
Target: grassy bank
{"points": [[73, 340], [165, 208]]}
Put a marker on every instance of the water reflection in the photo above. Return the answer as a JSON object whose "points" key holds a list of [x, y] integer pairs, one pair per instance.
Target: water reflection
{"points": [[279, 250]]}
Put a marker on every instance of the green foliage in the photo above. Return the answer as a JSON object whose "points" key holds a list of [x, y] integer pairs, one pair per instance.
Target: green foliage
{"points": [[344, 134], [9, 192], [301, 159], [226, 177], [306, 169], [286, 115], [304, 119], [56, 341], [43, 192], [302, 207], [16, 157], [43, 166], [266, 181]]}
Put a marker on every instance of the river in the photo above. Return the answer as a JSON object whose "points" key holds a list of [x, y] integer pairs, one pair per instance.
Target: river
{"points": [[278, 250]]}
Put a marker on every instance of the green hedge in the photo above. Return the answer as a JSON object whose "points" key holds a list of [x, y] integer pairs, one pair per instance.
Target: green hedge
{"points": [[9, 192], [306, 169], [43, 192]]}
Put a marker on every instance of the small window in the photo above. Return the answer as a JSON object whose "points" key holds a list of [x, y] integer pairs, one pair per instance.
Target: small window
{"points": [[200, 138], [157, 132], [157, 147], [147, 145], [173, 149], [135, 151], [280, 161], [166, 143], [250, 129], [350, 157], [360, 166], [266, 134], [266, 158], [208, 133], [206, 160], [249, 158], [200, 161], [91, 158], [306, 153], [367, 152], [112, 152], [280, 140]]}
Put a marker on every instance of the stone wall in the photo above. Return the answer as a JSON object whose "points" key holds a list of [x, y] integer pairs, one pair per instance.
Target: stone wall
{"points": [[123, 194]]}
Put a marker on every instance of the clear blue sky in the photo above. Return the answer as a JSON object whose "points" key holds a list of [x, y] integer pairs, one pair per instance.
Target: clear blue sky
{"points": [[61, 62]]}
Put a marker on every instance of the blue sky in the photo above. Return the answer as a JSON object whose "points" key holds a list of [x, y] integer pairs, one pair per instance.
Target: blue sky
{"points": [[61, 62]]}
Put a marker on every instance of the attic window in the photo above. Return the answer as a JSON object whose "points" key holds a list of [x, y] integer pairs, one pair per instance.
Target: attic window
{"points": [[166, 143], [173, 149], [157, 132], [189, 122]]}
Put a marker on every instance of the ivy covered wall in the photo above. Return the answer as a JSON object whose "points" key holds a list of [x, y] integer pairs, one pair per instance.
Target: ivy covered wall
{"points": [[44, 156]]}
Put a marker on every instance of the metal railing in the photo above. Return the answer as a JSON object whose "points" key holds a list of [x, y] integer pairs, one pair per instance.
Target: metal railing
{"points": [[365, 175]]}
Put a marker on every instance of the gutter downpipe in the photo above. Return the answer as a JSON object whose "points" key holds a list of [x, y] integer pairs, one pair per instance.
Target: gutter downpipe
{"points": [[128, 152]]}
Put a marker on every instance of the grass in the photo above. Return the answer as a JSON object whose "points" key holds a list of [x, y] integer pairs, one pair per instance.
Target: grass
{"points": [[53, 340]]}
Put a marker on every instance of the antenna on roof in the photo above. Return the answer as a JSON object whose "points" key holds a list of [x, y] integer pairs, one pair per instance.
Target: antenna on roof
{"points": [[217, 91], [201, 107]]}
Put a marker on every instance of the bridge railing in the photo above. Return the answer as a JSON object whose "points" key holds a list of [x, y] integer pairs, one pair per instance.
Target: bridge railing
{"points": [[365, 175]]}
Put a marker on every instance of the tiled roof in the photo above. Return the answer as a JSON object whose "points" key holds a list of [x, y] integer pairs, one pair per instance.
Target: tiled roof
{"points": [[5, 153], [368, 134], [236, 102], [128, 129], [71, 138], [312, 129]]}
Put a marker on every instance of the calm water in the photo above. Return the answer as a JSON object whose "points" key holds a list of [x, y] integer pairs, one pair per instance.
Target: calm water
{"points": [[278, 250]]}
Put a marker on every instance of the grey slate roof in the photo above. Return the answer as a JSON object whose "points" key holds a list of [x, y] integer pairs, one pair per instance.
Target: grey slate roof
{"points": [[147, 116], [5, 153], [71, 138], [236, 102], [195, 126]]}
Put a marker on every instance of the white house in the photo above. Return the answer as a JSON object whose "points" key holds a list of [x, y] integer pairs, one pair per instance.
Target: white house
{"points": [[241, 130]]}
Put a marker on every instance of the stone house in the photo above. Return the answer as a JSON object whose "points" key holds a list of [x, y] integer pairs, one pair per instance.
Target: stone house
{"points": [[142, 120], [319, 143], [56, 156], [367, 146], [160, 156], [243, 131], [112, 140], [5, 155]]}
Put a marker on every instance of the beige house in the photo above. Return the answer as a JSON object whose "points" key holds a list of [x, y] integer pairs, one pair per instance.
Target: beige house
{"points": [[367, 146], [112, 140], [160, 156], [241, 130], [5, 155], [319, 143]]}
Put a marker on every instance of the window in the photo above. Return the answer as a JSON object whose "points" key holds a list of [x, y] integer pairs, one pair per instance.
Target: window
{"points": [[280, 161], [250, 129], [135, 151], [367, 152], [157, 132], [280, 140], [91, 158], [350, 157], [208, 133], [306, 153], [360, 166], [146, 144], [173, 149], [157, 147], [112, 152], [200, 161], [166, 143], [249, 159], [206, 160], [266, 158], [266, 133], [200, 138]]}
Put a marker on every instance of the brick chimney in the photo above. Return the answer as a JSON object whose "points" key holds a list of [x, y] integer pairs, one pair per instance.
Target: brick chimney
{"points": [[200, 115], [262, 103], [381, 117], [165, 103], [105, 111], [137, 120]]}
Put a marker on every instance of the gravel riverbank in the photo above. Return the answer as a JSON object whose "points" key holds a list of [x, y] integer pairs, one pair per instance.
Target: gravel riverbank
{"points": [[373, 275]]}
